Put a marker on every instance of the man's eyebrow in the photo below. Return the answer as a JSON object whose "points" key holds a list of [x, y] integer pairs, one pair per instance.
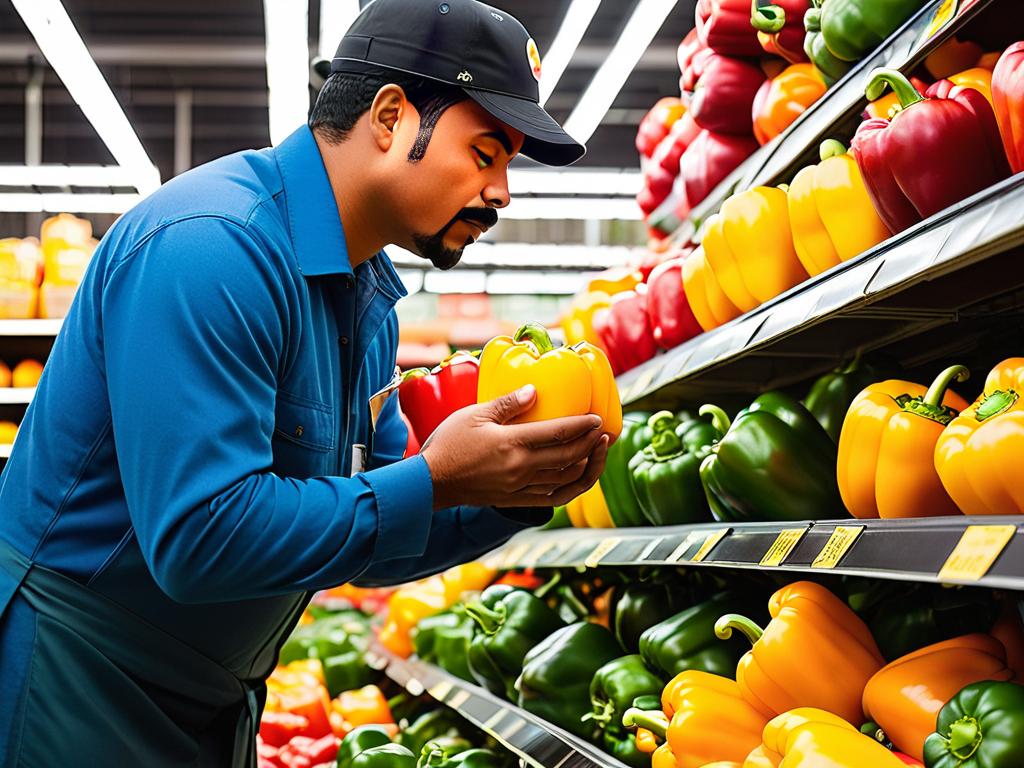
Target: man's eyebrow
{"points": [[502, 138]]}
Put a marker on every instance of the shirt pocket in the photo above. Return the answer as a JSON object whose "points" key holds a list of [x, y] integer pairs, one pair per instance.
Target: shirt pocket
{"points": [[304, 436]]}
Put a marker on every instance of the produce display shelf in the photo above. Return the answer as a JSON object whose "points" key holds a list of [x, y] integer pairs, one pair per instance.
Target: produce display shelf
{"points": [[30, 327], [797, 146], [16, 395], [537, 742], [920, 550], [956, 267]]}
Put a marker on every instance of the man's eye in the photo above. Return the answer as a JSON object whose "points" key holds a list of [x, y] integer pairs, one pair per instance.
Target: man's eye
{"points": [[483, 159]]}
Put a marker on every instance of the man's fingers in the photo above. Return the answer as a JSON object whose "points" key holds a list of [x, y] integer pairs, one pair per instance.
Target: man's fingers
{"points": [[595, 466], [563, 456], [542, 434], [505, 408], [547, 480]]}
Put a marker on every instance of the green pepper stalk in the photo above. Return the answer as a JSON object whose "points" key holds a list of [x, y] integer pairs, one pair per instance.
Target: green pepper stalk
{"points": [[930, 406], [981, 727]]}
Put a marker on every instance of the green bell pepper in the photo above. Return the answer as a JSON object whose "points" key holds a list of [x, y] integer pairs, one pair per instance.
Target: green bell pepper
{"points": [[384, 756], [448, 746], [324, 638], [640, 606], [981, 727], [559, 519], [348, 671], [775, 462], [615, 481], [555, 682], [509, 622], [359, 740], [613, 690], [688, 641], [436, 724], [470, 758], [854, 28], [443, 639], [830, 67], [831, 395], [666, 474]]}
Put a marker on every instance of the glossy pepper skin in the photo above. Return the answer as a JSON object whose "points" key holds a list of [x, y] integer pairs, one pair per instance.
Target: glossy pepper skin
{"points": [[885, 465], [783, 98], [704, 294], [451, 648], [704, 719], [707, 161], [975, 450], [672, 321], [428, 397], [749, 247], [555, 681], [385, 756], [589, 510], [905, 696], [509, 623], [827, 63], [812, 737], [615, 480], [578, 322], [613, 690], [982, 726], [1008, 101], [852, 28], [775, 462], [687, 640], [625, 330], [957, 133], [436, 724], [780, 27], [657, 122], [724, 94], [815, 652], [640, 606], [831, 394], [830, 212], [666, 474], [470, 758], [724, 27], [506, 364], [978, 78], [359, 740]]}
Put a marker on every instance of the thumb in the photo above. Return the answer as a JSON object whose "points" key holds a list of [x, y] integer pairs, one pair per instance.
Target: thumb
{"points": [[505, 408]]}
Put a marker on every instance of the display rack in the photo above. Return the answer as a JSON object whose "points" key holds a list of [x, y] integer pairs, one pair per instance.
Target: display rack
{"points": [[537, 742]]}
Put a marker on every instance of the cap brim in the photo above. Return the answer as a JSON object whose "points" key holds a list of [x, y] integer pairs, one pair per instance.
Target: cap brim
{"points": [[546, 141]]}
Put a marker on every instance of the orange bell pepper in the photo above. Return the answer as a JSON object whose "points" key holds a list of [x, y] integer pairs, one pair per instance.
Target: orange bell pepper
{"points": [[664, 757], [1009, 630], [785, 97], [978, 78], [814, 737], [886, 465], [363, 706], [975, 454], [708, 301], [905, 696], [815, 652]]}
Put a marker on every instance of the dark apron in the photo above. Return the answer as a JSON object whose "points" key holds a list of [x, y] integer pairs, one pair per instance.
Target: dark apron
{"points": [[105, 684]]}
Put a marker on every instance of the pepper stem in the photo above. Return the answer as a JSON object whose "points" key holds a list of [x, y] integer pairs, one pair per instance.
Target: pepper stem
{"points": [[854, 364], [719, 418], [653, 720], [883, 76], [415, 373], [537, 335], [725, 625], [767, 18], [603, 717], [665, 442], [490, 621], [548, 586], [574, 603], [964, 737], [435, 757], [995, 403], [937, 391], [832, 148]]}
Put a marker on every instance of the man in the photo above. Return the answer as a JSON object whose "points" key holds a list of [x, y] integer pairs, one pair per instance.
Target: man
{"points": [[200, 455]]}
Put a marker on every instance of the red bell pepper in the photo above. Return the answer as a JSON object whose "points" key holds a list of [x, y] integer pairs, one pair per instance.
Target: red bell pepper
{"points": [[724, 27], [654, 127], [689, 50], [428, 397], [708, 160], [667, 155], [1008, 99], [932, 154], [412, 444], [672, 321], [278, 728], [723, 98], [626, 331], [780, 27], [657, 186]]}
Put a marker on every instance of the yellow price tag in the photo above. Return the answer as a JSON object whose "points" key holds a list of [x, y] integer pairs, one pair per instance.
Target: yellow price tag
{"points": [[678, 552], [710, 541], [440, 690], [978, 548], [601, 551], [838, 544], [496, 718], [515, 555], [784, 544], [943, 15], [538, 552], [460, 698]]}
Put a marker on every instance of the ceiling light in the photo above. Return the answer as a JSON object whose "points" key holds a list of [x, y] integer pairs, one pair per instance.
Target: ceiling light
{"points": [[574, 25], [63, 48], [581, 208], [575, 182], [287, 23], [65, 176], [643, 25], [42, 202], [336, 16]]}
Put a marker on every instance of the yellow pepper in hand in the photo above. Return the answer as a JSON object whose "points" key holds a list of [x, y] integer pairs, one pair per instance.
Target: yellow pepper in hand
{"points": [[590, 510], [570, 381], [830, 212], [977, 453], [808, 737], [749, 247], [815, 652], [707, 300]]}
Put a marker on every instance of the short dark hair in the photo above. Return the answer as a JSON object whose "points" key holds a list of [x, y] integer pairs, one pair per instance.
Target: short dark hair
{"points": [[347, 96]]}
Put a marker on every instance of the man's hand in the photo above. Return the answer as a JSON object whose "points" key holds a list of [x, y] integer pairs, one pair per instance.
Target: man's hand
{"points": [[476, 457]]}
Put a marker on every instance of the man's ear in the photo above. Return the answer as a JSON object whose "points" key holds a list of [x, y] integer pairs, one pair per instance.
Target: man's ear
{"points": [[389, 107]]}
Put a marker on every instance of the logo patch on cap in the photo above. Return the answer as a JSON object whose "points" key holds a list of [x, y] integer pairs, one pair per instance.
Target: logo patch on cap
{"points": [[534, 57]]}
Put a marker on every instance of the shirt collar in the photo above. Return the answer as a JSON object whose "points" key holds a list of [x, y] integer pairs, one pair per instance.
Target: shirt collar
{"points": [[313, 218]]}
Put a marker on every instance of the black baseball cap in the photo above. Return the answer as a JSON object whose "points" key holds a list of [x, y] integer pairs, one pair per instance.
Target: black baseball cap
{"points": [[482, 50]]}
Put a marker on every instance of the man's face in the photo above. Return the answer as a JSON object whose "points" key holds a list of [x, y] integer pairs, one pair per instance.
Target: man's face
{"points": [[447, 200]]}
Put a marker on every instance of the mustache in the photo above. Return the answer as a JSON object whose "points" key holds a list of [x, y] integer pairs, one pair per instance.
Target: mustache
{"points": [[488, 217]]}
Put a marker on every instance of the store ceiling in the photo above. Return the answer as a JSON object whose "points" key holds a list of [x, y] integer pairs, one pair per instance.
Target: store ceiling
{"points": [[154, 53]]}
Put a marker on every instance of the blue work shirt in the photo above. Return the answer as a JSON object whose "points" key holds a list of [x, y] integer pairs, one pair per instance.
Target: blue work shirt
{"points": [[187, 451]]}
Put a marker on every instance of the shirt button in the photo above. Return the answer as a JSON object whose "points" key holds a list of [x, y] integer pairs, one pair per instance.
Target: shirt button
{"points": [[347, 281], [343, 340]]}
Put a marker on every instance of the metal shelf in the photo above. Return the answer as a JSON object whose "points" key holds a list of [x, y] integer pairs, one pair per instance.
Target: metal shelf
{"points": [[956, 266], [537, 742], [16, 395], [905, 550], [30, 327]]}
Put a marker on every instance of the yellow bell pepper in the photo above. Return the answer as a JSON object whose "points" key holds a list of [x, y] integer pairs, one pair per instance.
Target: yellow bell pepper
{"points": [[886, 465], [615, 280], [590, 510], [578, 322], [749, 246], [815, 652], [708, 302], [570, 381], [468, 577], [808, 737], [830, 213], [664, 757], [978, 78], [976, 454]]}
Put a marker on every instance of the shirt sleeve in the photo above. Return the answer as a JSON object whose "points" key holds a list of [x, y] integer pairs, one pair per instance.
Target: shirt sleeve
{"points": [[196, 321]]}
